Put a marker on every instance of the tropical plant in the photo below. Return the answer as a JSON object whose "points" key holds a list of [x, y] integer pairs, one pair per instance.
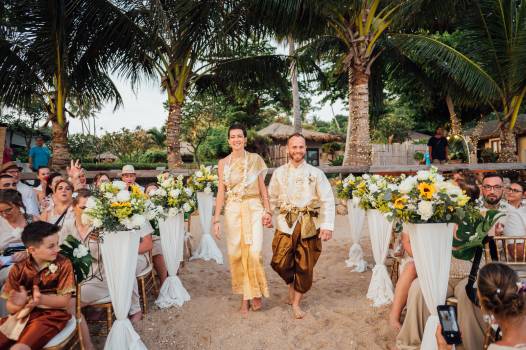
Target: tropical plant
{"points": [[52, 51], [491, 63]]}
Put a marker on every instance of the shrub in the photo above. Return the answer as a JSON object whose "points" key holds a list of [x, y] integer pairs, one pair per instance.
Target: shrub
{"points": [[488, 156]]}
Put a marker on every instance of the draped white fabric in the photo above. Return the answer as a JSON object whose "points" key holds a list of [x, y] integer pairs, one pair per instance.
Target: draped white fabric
{"points": [[172, 241], [207, 249], [381, 288], [119, 253], [356, 218], [431, 245]]}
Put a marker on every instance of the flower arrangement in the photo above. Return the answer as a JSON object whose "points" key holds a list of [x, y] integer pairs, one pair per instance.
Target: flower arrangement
{"points": [[79, 255], [428, 198], [171, 198], [115, 208], [204, 180], [375, 192], [345, 187]]}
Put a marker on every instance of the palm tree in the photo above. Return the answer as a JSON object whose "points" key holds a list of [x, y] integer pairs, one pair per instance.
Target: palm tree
{"points": [[57, 50], [490, 64]]}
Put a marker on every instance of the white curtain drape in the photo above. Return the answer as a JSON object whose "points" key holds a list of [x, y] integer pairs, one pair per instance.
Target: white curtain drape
{"points": [[119, 254], [381, 288], [356, 218], [172, 241], [207, 249], [431, 245]]}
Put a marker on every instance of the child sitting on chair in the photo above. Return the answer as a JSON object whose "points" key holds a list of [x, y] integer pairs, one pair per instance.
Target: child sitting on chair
{"points": [[38, 291]]}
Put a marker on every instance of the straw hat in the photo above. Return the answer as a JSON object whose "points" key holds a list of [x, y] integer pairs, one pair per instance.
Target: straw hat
{"points": [[10, 165], [128, 169]]}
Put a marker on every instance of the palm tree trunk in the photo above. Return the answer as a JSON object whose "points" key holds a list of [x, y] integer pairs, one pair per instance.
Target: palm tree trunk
{"points": [[508, 145], [173, 135], [59, 143], [456, 127], [358, 141], [295, 88]]}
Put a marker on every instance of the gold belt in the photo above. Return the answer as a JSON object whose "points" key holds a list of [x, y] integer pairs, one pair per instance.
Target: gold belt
{"points": [[306, 217]]}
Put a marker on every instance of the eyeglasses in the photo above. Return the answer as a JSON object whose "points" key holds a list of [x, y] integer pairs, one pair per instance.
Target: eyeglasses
{"points": [[8, 185], [494, 188], [6, 211], [514, 190]]}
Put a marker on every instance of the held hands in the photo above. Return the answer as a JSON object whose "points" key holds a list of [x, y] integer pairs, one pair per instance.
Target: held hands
{"points": [[325, 235], [267, 220], [19, 298]]}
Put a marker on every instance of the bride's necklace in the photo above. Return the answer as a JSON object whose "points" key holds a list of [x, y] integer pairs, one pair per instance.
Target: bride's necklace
{"points": [[239, 191]]}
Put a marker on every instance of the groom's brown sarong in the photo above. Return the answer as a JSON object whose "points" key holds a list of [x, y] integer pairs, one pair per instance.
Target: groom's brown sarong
{"points": [[293, 258]]}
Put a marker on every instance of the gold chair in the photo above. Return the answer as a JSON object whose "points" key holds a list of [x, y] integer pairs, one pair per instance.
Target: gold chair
{"points": [[70, 337], [147, 283], [101, 327], [510, 251]]}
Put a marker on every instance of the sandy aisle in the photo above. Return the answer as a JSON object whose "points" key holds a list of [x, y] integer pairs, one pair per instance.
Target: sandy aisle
{"points": [[339, 315]]}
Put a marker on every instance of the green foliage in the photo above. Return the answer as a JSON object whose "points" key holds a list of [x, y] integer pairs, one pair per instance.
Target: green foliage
{"points": [[471, 232], [85, 147], [457, 149], [154, 155], [338, 161], [118, 166], [488, 156], [79, 255], [418, 156], [393, 126]]}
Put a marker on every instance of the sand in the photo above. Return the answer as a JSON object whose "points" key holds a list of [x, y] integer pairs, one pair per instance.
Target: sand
{"points": [[339, 315]]}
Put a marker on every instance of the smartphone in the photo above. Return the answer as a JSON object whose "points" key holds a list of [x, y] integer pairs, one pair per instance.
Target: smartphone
{"points": [[447, 314]]}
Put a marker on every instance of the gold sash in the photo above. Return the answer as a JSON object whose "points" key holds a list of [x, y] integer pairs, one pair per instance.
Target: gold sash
{"points": [[306, 217]]}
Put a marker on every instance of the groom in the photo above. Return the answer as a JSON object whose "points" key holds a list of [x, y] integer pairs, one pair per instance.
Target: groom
{"points": [[304, 199]]}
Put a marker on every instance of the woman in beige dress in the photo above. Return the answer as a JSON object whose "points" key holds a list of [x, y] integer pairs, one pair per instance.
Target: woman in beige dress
{"points": [[242, 191]]}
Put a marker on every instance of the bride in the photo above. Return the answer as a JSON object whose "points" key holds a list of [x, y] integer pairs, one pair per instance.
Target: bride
{"points": [[242, 191]]}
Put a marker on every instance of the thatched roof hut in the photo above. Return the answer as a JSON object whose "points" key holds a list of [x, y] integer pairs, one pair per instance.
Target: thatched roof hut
{"points": [[281, 132]]}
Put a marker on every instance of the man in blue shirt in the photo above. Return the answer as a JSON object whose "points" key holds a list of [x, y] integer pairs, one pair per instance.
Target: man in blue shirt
{"points": [[39, 155]]}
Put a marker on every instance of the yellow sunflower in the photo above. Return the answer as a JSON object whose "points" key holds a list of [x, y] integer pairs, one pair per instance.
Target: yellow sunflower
{"points": [[400, 203], [426, 190]]}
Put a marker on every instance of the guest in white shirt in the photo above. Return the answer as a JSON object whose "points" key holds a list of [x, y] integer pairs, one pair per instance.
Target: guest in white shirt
{"points": [[28, 195]]}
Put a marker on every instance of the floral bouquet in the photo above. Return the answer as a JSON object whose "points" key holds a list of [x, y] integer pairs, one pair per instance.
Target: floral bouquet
{"points": [[345, 187], [427, 198], [171, 198], [115, 208], [204, 180], [79, 255], [375, 192]]}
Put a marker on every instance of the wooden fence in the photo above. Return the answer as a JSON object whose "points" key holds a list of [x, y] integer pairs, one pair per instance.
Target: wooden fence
{"points": [[395, 154]]}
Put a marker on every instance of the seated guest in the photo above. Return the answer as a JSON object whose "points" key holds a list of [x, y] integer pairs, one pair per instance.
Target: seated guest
{"points": [[13, 220], [99, 179], [47, 201], [28, 195], [502, 298], [514, 194], [61, 213], [43, 177], [129, 176], [157, 251], [7, 182], [470, 318], [40, 287]]}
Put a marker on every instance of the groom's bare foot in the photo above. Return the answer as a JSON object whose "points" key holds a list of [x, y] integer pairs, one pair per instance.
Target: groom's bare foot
{"points": [[298, 312]]}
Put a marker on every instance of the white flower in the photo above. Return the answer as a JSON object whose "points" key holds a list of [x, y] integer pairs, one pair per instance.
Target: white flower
{"points": [[187, 207], [166, 183], [108, 195], [175, 193], [80, 252], [207, 189], [137, 220], [91, 203], [199, 174], [121, 185], [365, 176], [188, 191], [161, 192], [123, 196], [180, 178], [373, 188], [425, 210], [173, 211], [392, 187], [345, 184], [86, 219], [406, 185], [52, 268], [423, 175]]}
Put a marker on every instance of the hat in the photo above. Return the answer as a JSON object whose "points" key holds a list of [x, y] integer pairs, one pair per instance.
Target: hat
{"points": [[10, 165], [128, 169]]}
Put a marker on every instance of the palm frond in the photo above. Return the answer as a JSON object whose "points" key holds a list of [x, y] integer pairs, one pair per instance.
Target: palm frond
{"points": [[460, 68]]}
